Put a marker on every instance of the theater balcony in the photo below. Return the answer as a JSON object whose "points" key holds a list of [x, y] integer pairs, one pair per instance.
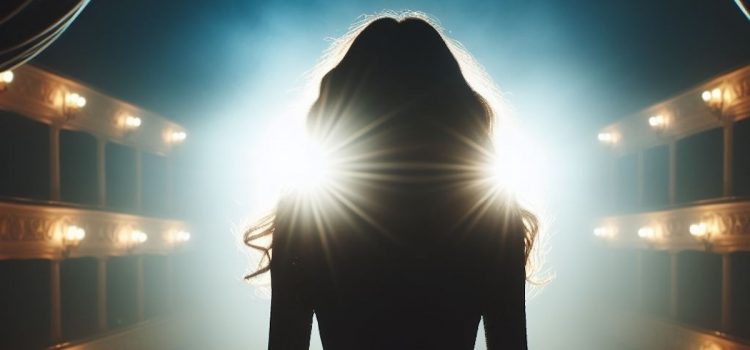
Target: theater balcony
{"points": [[677, 225], [88, 235]]}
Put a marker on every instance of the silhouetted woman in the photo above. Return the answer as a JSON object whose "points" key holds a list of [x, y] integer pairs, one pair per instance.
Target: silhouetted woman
{"points": [[406, 244]]}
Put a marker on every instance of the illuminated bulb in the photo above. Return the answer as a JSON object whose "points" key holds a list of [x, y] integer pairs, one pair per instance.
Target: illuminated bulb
{"points": [[131, 122], [698, 230], [706, 96], [177, 136], [138, 236], [182, 236], [657, 121], [74, 234], [716, 94], [75, 101], [646, 232], [604, 232], [606, 137], [6, 77]]}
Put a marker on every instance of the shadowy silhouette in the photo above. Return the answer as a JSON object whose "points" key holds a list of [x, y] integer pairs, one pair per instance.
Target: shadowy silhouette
{"points": [[408, 245]]}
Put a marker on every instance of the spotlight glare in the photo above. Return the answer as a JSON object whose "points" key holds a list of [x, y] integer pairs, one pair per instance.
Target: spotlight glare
{"points": [[706, 96], [657, 121]]}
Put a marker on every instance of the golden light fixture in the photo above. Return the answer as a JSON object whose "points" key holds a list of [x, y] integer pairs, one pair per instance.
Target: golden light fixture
{"points": [[179, 237], [138, 237], [73, 235], [658, 122], [73, 103], [647, 233], [604, 232], [6, 77], [175, 137], [699, 230], [607, 138], [715, 99], [130, 122]]}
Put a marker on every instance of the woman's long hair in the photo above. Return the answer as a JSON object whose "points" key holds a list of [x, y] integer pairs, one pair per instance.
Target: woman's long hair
{"points": [[398, 71]]}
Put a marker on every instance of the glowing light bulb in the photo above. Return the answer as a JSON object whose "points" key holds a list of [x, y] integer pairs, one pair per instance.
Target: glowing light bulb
{"points": [[604, 232], [607, 137], [6, 77], [176, 136], [75, 101], [706, 96], [182, 236], [131, 122], [716, 94], [657, 121], [698, 230], [646, 232], [138, 237], [74, 234]]}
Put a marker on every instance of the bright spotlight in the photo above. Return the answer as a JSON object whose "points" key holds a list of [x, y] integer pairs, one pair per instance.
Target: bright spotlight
{"points": [[520, 165], [6, 77]]}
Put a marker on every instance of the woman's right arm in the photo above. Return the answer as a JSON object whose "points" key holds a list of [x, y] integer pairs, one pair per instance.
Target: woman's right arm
{"points": [[504, 304], [291, 312]]}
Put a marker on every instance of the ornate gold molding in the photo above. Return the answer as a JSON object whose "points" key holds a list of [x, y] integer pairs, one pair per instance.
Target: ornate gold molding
{"points": [[727, 228], [684, 114], [36, 232], [41, 95]]}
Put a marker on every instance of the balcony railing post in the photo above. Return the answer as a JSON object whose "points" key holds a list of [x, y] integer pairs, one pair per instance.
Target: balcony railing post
{"points": [[54, 162], [640, 183], [101, 293], [726, 292], [138, 180], [672, 181], [139, 289], [55, 302], [673, 283], [101, 172], [728, 157]]}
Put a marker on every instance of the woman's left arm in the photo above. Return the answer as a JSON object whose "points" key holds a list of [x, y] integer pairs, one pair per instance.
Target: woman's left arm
{"points": [[291, 313]]}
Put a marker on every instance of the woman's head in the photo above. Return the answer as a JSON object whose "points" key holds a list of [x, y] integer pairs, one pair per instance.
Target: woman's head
{"points": [[396, 92], [400, 81]]}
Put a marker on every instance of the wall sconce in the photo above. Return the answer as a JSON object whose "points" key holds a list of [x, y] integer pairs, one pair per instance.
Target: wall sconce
{"points": [[702, 232], [175, 137], [605, 232], [179, 237], [73, 103], [647, 233], [608, 138], [72, 237], [129, 122], [6, 78], [132, 238], [658, 122], [715, 99]]}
